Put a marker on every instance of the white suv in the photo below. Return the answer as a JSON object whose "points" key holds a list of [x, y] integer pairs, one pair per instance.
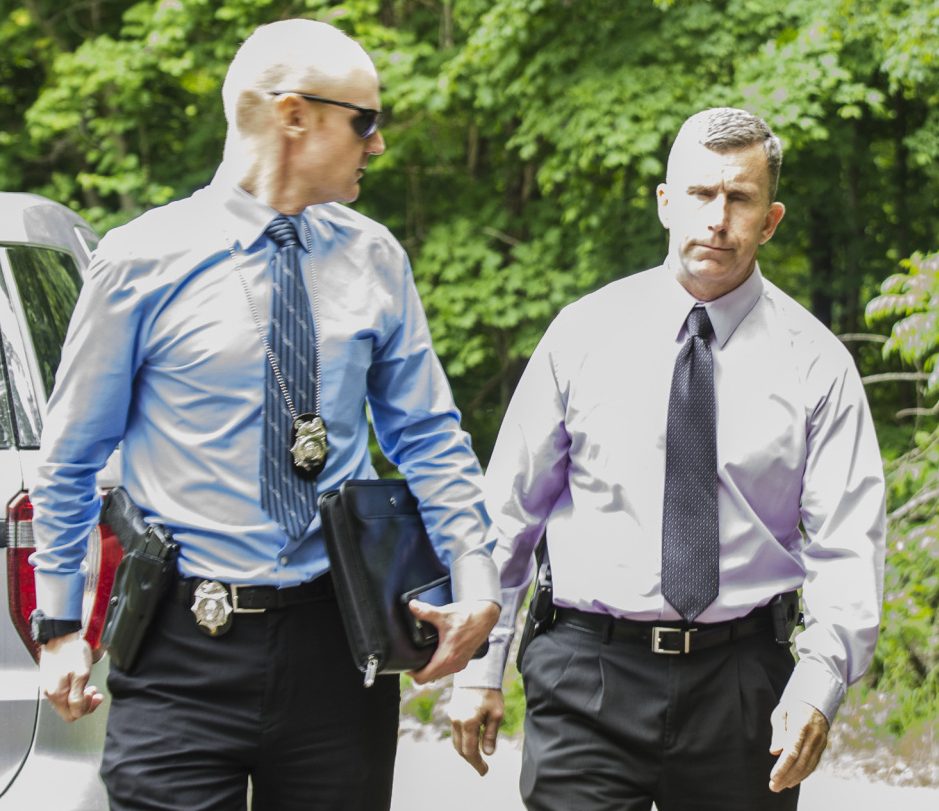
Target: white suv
{"points": [[45, 763]]}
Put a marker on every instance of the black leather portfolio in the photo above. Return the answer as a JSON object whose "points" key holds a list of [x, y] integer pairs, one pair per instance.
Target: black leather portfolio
{"points": [[380, 558]]}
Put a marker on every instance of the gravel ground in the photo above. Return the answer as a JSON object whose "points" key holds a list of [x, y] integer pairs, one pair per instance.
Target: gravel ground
{"points": [[429, 776]]}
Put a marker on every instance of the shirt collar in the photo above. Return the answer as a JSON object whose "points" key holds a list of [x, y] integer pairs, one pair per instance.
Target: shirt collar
{"points": [[726, 313], [246, 217]]}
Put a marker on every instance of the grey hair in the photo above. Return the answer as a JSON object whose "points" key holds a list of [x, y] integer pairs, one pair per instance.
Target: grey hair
{"points": [[724, 129]]}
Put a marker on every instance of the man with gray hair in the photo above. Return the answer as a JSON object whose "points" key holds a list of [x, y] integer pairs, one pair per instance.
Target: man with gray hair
{"points": [[211, 336], [696, 449]]}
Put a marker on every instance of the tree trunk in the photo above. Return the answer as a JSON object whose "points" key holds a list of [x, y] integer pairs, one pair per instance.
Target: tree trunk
{"points": [[821, 265], [901, 176], [446, 24], [851, 316]]}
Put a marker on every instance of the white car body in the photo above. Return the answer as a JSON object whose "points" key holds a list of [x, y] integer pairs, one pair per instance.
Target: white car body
{"points": [[45, 763]]}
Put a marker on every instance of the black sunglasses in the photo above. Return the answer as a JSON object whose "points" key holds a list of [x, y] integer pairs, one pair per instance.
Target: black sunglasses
{"points": [[365, 124]]}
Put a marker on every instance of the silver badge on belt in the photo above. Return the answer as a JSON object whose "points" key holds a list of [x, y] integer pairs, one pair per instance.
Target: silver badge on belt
{"points": [[211, 608]]}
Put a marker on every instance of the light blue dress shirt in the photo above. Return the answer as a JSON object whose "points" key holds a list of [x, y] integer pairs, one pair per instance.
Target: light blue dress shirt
{"points": [[581, 455], [163, 354]]}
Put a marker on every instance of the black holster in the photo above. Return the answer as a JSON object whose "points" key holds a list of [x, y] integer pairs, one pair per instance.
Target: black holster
{"points": [[541, 613], [144, 575]]}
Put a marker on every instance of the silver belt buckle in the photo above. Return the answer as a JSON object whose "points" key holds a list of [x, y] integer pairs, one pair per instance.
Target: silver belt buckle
{"points": [[237, 609], [657, 633]]}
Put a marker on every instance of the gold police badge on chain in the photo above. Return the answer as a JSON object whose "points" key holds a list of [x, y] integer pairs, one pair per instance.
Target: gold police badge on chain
{"points": [[211, 608]]}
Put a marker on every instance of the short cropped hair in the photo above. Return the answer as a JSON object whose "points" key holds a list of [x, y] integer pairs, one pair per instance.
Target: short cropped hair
{"points": [[298, 55], [724, 129]]}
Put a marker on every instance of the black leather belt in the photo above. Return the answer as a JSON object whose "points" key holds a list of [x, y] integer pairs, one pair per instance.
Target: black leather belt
{"points": [[665, 638], [255, 599]]}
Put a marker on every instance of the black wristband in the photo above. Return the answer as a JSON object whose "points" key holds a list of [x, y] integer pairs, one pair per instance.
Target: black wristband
{"points": [[44, 628]]}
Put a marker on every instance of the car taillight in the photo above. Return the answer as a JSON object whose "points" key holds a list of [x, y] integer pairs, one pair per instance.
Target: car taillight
{"points": [[21, 586], [103, 555]]}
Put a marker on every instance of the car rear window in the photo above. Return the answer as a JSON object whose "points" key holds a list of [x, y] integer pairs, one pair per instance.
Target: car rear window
{"points": [[21, 426], [7, 439], [48, 282]]}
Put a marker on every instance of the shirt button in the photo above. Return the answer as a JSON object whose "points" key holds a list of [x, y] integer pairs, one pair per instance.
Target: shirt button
{"points": [[284, 560]]}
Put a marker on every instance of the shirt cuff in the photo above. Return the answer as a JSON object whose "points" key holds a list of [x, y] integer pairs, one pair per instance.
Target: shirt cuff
{"points": [[60, 595], [473, 576], [814, 684], [486, 672]]}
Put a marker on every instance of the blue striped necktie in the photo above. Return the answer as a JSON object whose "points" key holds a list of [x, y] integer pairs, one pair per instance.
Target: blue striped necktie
{"points": [[690, 529], [289, 499]]}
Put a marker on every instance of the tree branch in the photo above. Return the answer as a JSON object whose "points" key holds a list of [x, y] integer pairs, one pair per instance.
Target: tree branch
{"points": [[919, 412], [913, 454], [887, 377], [863, 336], [483, 391], [501, 236], [914, 504]]}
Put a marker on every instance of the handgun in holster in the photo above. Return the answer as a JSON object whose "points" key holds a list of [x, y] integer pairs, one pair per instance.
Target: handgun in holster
{"points": [[784, 611], [541, 613], [143, 577]]}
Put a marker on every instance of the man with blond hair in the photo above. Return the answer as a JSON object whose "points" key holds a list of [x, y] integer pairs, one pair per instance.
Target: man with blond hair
{"points": [[210, 337], [696, 448]]}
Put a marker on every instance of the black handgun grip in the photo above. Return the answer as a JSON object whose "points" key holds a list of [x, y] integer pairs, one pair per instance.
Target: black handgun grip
{"points": [[784, 611], [123, 516]]}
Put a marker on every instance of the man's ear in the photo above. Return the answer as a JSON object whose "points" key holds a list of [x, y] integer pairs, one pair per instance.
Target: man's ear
{"points": [[774, 216], [289, 114], [661, 197]]}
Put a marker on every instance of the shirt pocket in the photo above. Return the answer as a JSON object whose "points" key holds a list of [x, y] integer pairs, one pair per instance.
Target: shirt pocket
{"points": [[344, 368]]}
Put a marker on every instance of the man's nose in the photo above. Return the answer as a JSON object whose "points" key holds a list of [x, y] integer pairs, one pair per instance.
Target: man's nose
{"points": [[717, 213], [375, 144]]}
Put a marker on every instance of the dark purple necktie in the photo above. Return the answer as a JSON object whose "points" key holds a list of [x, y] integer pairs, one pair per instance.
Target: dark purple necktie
{"points": [[690, 536]]}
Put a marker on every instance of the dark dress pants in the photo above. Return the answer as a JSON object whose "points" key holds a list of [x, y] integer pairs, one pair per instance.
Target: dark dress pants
{"points": [[611, 726], [277, 698]]}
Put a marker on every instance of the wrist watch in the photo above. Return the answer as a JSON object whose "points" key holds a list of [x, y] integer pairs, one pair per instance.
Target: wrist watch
{"points": [[45, 628]]}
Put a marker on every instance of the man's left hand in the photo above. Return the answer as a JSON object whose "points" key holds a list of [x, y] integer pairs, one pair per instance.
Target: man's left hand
{"points": [[800, 734], [461, 628]]}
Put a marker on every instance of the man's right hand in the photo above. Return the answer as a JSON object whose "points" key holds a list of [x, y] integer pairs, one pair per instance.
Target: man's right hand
{"points": [[64, 668], [475, 715]]}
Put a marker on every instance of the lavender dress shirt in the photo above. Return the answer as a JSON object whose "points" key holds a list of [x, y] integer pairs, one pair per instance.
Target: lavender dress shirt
{"points": [[581, 454]]}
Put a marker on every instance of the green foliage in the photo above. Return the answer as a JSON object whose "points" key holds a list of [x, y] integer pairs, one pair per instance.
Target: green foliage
{"points": [[420, 703], [514, 693], [550, 124], [907, 660], [912, 299], [527, 140]]}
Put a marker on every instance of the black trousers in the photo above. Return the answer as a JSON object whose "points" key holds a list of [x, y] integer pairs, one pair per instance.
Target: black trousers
{"points": [[611, 726], [277, 698]]}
